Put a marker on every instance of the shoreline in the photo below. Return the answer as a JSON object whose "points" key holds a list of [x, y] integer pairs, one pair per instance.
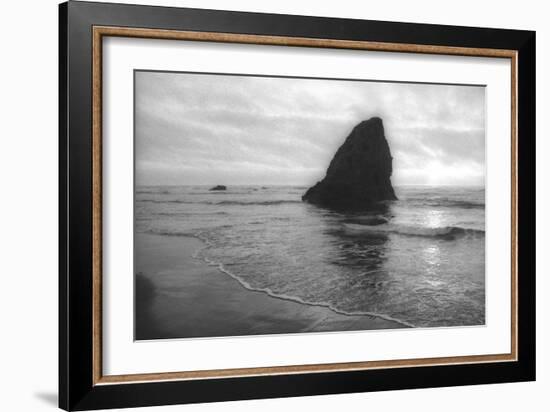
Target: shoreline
{"points": [[294, 299], [181, 295]]}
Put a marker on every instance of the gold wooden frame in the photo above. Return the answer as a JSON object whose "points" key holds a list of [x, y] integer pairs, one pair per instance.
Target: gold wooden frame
{"points": [[101, 31]]}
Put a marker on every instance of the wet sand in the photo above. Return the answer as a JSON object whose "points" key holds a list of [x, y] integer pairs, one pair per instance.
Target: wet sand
{"points": [[181, 296]]}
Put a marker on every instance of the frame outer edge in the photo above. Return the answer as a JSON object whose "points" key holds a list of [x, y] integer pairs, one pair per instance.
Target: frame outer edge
{"points": [[82, 394], [63, 375], [527, 206], [78, 216]]}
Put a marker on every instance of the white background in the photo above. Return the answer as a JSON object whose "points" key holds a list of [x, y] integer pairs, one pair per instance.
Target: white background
{"points": [[28, 162]]}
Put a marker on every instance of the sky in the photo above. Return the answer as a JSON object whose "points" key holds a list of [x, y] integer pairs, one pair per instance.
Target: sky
{"points": [[206, 129]]}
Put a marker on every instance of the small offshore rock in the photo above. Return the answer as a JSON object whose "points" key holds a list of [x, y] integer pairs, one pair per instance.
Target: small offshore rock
{"points": [[218, 187]]}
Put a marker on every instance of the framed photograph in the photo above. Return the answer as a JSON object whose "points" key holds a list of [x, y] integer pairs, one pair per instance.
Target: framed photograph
{"points": [[256, 205]]}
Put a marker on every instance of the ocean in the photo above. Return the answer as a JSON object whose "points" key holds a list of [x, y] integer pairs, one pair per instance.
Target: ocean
{"points": [[419, 260]]}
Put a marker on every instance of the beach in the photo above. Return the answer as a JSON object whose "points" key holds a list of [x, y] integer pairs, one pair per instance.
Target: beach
{"points": [[181, 295]]}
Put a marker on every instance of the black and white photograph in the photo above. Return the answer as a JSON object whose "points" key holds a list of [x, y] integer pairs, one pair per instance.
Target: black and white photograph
{"points": [[270, 205], [215, 206]]}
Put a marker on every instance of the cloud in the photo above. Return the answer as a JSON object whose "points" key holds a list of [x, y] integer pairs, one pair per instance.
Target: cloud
{"points": [[210, 129]]}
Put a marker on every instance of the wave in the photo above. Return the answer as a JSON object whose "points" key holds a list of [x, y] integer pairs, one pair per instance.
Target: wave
{"points": [[180, 233], [445, 202], [225, 202], [447, 232], [261, 203], [198, 255], [175, 233], [152, 192], [163, 201], [174, 214], [464, 204]]}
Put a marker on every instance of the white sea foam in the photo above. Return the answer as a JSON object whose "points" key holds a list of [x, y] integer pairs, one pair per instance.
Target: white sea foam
{"points": [[446, 232], [296, 299]]}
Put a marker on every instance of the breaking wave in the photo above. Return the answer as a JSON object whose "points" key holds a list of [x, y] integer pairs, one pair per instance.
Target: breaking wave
{"points": [[445, 202], [224, 202], [447, 232], [199, 255]]}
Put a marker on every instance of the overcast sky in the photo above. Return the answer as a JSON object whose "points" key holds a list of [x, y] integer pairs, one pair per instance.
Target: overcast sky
{"points": [[193, 129]]}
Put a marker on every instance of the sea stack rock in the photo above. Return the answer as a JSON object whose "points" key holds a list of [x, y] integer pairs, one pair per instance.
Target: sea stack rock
{"points": [[359, 174]]}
